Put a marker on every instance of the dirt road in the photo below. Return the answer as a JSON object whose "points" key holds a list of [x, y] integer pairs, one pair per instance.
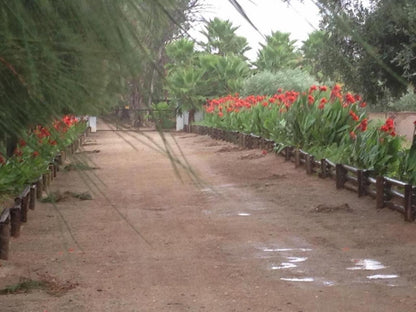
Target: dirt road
{"points": [[250, 233]]}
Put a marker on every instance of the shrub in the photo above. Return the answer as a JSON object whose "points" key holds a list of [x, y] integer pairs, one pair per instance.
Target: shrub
{"points": [[267, 83]]}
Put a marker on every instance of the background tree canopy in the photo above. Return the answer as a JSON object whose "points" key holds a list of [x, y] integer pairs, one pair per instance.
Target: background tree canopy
{"points": [[77, 56]]}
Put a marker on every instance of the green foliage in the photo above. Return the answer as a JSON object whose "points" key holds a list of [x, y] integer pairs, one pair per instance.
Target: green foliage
{"points": [[371, 48], [326, 123], [164, 115], [59, 57], [194, 77], [406, 103], [267, 83], [33, 155], [313, 50], [278, 53], [221, 39]]}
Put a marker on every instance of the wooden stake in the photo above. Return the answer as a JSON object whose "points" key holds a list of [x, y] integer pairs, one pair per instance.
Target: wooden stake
{"points": [[380, 192]]}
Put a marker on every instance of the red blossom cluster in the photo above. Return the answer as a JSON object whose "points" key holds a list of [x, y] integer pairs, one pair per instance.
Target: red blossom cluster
{"points": [[388, 127], [233, 103], [63, 124]]}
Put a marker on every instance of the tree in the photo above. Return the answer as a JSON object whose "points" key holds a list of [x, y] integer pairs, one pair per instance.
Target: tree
{"points": [[372, 49], [77, 56], [222, 39], [194, 76], [313, 50], [278, 53]]}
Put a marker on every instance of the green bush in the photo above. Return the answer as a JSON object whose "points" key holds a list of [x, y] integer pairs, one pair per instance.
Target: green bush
{"points": [[267, 83], [406, 103]]}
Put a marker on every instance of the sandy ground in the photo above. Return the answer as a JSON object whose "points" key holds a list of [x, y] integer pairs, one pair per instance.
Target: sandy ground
{"points": [[248, 232]]}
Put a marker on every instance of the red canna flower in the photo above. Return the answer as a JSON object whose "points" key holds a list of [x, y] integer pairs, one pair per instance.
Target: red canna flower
{"points": [[312, 89], [22, 143], [363, 104], [311, 99], [349, 98], [388, 127], [18, 152], [323, 88], [354, 116], [364, 124], [353, 135], [322, 103], [221, 114], [35, 154]]}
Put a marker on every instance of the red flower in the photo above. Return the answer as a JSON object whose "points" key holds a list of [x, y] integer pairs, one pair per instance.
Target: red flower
{"points": [[22, 143], [265, 104], [322, 103], [364, 124], [354, 116], [2, 160], [363, 104], [311, 99], [353, 135], [323, 88], [349, 98], [221, 114], [35, 154], [18, 152], [264, 152], [312, 88], [52, 142], [388, 127]]}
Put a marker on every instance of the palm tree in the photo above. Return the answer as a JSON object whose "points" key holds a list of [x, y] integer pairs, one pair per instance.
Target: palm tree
{"points": [[222, 39], [278, 53]]}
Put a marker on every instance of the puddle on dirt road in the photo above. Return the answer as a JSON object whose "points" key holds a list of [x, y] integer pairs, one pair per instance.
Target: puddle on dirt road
{"points": [[304, 279], [290, 264], [284, 265], [285, 249], [297, 259], [367, 265], [382, 276], [244, 214]]}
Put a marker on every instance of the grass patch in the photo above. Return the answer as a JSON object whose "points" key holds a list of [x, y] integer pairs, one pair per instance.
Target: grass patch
{"points": [[24, 286], [78, 166], [46, 282], [58, 196]]}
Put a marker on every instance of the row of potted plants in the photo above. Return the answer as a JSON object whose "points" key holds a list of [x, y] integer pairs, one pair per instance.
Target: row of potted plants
{"points": [[29, 171], [323, 121]]}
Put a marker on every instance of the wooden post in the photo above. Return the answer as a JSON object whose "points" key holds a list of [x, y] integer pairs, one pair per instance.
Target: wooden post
{"points": [[309, 163], [287, 153], [39, 188], [408, 209], [32, 201], [24, 203], [15, 221], [51, 171], [45, 182], [340, 173], [5, 239], [323, 173], [380, 192], [297, 158], [362, 183]]}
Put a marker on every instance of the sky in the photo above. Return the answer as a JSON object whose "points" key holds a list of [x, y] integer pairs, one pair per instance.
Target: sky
{"points": [[299, 19]]}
